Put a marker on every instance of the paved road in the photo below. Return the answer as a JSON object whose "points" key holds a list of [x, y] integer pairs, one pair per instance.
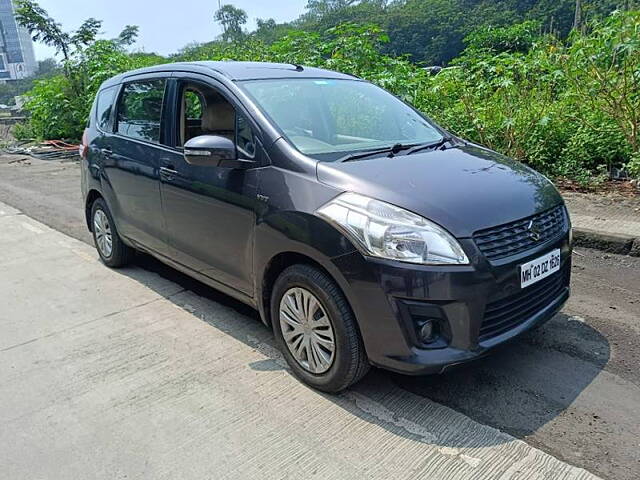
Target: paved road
{"points": [[125, 374], [571, 389], [46, 190]]}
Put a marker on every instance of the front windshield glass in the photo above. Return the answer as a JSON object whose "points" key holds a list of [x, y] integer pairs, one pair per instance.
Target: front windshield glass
{"points": [[328, 118]]}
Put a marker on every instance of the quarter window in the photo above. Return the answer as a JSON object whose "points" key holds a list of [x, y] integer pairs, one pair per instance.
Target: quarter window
{"points": [[103, 108], [140, 110], [244, 137]]}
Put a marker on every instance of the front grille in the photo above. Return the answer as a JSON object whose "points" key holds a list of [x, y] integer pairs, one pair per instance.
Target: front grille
{"points": [[502, 315], [515, 237]]}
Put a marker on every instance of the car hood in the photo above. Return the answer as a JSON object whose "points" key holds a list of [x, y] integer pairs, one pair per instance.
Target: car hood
{"points": [[463, 189]]}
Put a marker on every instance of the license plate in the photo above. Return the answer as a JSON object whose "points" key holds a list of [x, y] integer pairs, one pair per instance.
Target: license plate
{"points": [[535, 270]]}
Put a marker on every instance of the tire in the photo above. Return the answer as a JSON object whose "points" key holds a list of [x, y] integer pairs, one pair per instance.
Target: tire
{"points": [[348, 362], [119, 254]]}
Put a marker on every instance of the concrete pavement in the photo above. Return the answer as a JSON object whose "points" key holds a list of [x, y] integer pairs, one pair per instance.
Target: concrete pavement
{"points": [[124, 374]]}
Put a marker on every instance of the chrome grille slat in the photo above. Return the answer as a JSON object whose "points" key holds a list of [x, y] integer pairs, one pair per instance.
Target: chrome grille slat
{"points": [[512, 238]]}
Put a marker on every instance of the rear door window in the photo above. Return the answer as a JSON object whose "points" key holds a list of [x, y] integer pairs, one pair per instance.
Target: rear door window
{"points": [[140, 110]]}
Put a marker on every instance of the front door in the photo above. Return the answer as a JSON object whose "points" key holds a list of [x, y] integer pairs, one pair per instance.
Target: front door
{"points": [[210, 211]]}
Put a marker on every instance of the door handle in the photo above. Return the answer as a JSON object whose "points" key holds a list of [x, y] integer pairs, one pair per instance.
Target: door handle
{"points": [[107, 152], [168, 173]]}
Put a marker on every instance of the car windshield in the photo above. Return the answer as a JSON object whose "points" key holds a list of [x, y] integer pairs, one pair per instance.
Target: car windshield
{"points": [[327, 118]]}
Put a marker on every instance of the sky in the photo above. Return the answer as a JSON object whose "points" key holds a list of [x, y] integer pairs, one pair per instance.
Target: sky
{"points": [[165, 25]]}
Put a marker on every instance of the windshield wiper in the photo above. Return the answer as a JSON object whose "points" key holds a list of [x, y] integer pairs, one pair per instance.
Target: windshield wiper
{"points": [[431, 146], [394, 149]]}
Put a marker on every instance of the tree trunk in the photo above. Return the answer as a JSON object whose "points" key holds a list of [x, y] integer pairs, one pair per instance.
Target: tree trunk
{"points": [[577, 20]]}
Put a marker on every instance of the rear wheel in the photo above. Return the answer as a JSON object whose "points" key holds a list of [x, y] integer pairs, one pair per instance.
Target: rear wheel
{"points": [[113, 252], [316, 329]]}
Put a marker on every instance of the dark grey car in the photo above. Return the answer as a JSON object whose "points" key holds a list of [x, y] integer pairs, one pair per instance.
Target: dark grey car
{"points": [[362, 232]]}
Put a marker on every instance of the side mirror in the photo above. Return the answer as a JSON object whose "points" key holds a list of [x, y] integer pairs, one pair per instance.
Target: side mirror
{"points": [[213, 151]]}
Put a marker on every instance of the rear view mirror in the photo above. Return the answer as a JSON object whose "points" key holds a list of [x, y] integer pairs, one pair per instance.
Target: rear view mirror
{"points": [[213, 151]]}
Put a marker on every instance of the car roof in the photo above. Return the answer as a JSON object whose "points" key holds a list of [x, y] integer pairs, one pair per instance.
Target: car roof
{"points": [[236, 71]]}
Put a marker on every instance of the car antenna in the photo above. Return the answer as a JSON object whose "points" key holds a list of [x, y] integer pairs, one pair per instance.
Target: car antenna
{"points": [[299, 68]]}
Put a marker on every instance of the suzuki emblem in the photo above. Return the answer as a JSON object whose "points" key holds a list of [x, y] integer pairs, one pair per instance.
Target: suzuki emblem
{"points": [[534, 231]]}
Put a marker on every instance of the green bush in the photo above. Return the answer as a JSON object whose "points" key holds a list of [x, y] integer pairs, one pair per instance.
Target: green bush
{"points": [[23, 131], [55, 111]]}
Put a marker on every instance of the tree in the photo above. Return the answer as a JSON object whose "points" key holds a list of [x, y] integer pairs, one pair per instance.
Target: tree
{"points": [[42, 27], [232, 19], [45, 29], [86, 34], [47, 67], [128, 36], [319, 8], [268, 31], [577, 19]]}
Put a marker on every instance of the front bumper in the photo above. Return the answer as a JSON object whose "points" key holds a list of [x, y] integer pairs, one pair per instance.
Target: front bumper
{"points": [[477, 306]]}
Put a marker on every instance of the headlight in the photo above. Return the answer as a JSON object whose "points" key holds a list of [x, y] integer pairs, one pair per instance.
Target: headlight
{"points": [[386, 231]]}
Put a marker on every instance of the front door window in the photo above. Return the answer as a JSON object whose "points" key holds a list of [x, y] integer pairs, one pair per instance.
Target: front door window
{"points": [[204, 111]]}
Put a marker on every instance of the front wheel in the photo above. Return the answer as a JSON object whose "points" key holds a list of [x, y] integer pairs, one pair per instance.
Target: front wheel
{"points": [[316, 329], [112, 250]]}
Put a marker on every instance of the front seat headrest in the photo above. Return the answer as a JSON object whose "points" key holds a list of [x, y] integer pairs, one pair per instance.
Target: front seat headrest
{"points": [[218, 117]]}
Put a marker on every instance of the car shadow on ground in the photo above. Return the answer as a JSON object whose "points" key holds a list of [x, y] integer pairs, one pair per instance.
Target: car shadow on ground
{"points": [[526, 384], [518, 389]]}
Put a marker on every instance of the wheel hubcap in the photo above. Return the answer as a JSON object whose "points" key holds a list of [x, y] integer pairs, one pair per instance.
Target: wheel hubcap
{"points": [[306, 330], [102, 229]]}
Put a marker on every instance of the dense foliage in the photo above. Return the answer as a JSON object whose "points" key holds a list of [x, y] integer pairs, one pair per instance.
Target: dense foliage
{"points": [[568, 110], [432, 32], [568, 107]]}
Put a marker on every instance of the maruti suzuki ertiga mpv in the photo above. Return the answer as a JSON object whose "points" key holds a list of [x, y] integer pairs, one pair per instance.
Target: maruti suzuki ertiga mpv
{"points": [[362, 232]]}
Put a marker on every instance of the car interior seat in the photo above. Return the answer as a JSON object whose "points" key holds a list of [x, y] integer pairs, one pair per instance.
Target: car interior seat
{"points": [[219, 118]]}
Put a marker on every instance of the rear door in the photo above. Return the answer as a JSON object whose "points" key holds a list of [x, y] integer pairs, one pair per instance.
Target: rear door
{"points": [[132, 155]]}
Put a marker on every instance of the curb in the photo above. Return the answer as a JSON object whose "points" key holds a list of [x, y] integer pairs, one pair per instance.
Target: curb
{"points": [[607, 242]]}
